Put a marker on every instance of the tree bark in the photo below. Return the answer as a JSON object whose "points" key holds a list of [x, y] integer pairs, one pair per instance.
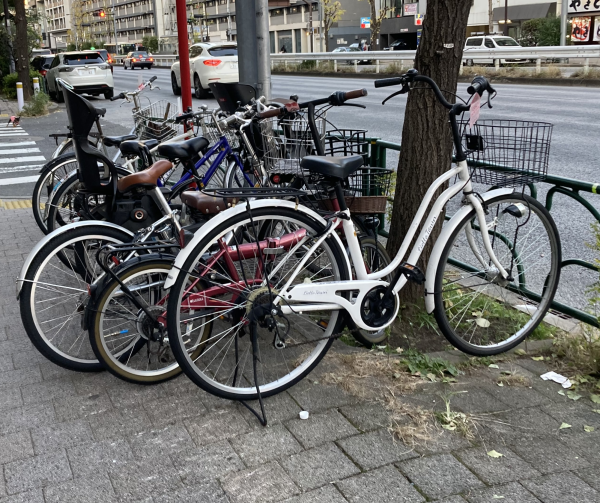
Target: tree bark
{"points": [[426, 137], [21, 49]]}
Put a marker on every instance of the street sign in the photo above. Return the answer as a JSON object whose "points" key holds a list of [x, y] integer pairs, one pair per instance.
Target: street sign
{"points": [[419, 37], [418, 19], [365, 22]]}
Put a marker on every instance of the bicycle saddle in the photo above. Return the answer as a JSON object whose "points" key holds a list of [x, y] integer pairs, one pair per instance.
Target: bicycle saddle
{"points": [[184, 150], [133, 148], [206, 204], [146, 178], [115, 141], [332, 167]]}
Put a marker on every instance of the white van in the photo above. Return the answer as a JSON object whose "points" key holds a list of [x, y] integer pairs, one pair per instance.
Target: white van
{"points": [[490, 42]]}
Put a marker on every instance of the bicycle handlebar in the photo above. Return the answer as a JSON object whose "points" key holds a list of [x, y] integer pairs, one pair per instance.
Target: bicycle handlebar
{"points": [[394, 81], [336, 99], [479, 85], [153, 79], [119, 96]]}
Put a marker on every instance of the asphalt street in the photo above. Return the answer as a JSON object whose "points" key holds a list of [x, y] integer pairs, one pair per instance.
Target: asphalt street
{"points": [[574, 111]]}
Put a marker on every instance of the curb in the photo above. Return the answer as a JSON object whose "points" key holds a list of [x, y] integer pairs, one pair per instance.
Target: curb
{"points": [[567, 82], [15, 204]]}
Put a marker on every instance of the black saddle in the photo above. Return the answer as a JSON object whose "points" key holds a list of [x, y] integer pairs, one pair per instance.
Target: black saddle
{"points": [[134, 148], [185, 150], [332, 167], [115, 141]]}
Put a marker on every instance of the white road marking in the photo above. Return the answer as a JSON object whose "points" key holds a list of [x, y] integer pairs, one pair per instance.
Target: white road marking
{"points": [[17, 181], [19, 151], [29, 167], [17, 144], [22, 159]]}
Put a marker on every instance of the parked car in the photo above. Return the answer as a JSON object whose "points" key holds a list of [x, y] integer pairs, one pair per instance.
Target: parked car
{"points": [[491, 42], [352, 49], [86, 71], [208, 63], [42, 63], [397, 45], [138, 59], [105, 56]]}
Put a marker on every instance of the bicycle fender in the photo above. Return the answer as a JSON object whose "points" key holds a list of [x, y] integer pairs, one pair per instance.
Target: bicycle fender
{"points": [[443, 238], [234, 211], [53, 234]]}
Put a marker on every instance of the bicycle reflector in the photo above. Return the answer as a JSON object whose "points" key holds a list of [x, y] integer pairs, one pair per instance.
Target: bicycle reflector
{"points": [[212, 62]]}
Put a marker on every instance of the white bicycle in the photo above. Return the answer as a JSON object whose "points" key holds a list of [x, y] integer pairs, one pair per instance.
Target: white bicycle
{"points": [[270, 307]]}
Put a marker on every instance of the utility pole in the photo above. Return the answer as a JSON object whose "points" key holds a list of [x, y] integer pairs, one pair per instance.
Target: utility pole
{"points": [[114, 13], [245, 16], [11, 60], [321, 34], [505, 18], [229, 35], [310, 25], [184, 60], [563, 21], [263, 47]]}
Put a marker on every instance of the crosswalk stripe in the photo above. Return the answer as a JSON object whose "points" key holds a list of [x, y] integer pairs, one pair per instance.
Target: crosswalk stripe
{"points": [[19, 151], [29, 167], [17, 144], [23, 159], [21, 179], [3, 135]]}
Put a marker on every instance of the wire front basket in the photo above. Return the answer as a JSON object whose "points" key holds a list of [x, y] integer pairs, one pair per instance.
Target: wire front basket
{"points": [[156, 121], [507, 153], [207, 127]]}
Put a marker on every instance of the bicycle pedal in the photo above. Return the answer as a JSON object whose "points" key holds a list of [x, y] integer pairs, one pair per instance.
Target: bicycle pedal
{"points": [[412, 273]]}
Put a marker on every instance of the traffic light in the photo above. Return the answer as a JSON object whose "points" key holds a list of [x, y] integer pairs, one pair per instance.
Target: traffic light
{"points": [[102, 13], [99, 13]]}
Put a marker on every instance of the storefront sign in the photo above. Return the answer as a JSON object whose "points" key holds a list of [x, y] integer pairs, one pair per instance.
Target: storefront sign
{"points": [[418, 19], [410, 9], [583, 6], [597, 29], [580, 31], [365, 22]]}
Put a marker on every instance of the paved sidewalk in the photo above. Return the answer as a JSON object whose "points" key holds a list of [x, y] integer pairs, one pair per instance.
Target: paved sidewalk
{"points": [[69, 437]]}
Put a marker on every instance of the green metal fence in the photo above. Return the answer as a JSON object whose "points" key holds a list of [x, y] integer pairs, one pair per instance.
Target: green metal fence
{"points": [[558, 185]]}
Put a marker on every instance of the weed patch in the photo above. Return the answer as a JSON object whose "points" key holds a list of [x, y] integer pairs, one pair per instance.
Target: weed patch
{"points": [[37, 106]]}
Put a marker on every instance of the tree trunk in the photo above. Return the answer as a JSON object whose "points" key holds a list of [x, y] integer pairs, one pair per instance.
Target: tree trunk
{"points": [[491, 16], [21, 49], [426, 137], [374, 26]]}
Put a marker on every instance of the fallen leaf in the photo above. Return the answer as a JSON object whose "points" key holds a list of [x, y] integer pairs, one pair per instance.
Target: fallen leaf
{"points": [[537, 358], [595, 398], [561, 392], [477, 314], [520, 352], [506, 372], [493, 366], [431, 377], [396, 375], [450, 427], [399, 350], [597, 411], [494, 454], [589, 429], [572, 395], [381, 347], [564, 426], [482, 322], [500, 384], [497, 497]]}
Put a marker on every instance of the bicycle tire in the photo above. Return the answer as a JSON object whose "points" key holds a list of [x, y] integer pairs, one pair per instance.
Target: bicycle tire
{"points": [[339, 271], [42, 338], [493, 311]]}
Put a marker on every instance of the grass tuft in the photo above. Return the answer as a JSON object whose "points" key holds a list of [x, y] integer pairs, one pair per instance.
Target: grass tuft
{"points": [[37, 106]]}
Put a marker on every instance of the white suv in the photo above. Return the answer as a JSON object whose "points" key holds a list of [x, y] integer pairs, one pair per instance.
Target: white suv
{"points": [[86, 71], [490, 42]]}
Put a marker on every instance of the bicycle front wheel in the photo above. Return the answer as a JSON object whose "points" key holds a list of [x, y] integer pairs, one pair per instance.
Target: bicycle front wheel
{"points": [[477, 310], [241, 277]]}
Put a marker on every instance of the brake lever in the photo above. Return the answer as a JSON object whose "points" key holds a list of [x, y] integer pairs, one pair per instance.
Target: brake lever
{"points": [[404, 90], [353, 105]]}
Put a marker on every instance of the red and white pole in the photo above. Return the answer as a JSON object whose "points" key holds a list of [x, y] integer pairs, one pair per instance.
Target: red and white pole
{"points": [[184, 60]]}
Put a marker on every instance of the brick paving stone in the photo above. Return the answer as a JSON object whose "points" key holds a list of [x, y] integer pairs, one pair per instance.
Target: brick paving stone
{"points": [[119, 423], [69, 434], [321, 428], [97, 489], [452, 499], [6, 363], [325, 494], [374, 449], [548, 455], [16, 341], [367, 416], [81, 407], [586, 444], [507, 468], [265, 444], [315, 467], [591, 476], [476, 400], [280, 407], [33, 496], [215, 426], [51, 371], [15, 446], [518, 425], [20, 377], [207, 491], [160, 442], [2, 484], [174, 408], [509, 493], [132, 395], [517, 397], [38, 471], [562, 488], [90, 383], [99, 457], [140, 478], [10, 398], [314, 396], [48, 390], [441, 441], [259, 485], [28, 359], [439, 476], [211, 461], [28, 416], [577, 414], [384, 485]]}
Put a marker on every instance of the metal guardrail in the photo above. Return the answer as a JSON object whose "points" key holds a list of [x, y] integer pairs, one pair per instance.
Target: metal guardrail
{"points": [[559, 185]]}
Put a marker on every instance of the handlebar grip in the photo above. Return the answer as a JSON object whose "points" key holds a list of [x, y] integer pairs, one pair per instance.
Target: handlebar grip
{"points": [[183, 117], [118, 97], [394, 81], [270, 113], [351, 95], [479, 85], [153, 79]]}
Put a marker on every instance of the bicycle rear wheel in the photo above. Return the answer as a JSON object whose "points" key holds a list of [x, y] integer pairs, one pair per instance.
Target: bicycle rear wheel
{"points": [[479, 312], [288, 347]]}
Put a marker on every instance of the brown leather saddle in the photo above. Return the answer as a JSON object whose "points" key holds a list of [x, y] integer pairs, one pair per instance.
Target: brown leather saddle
{"points": [[206, 204], [146, 178]]}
